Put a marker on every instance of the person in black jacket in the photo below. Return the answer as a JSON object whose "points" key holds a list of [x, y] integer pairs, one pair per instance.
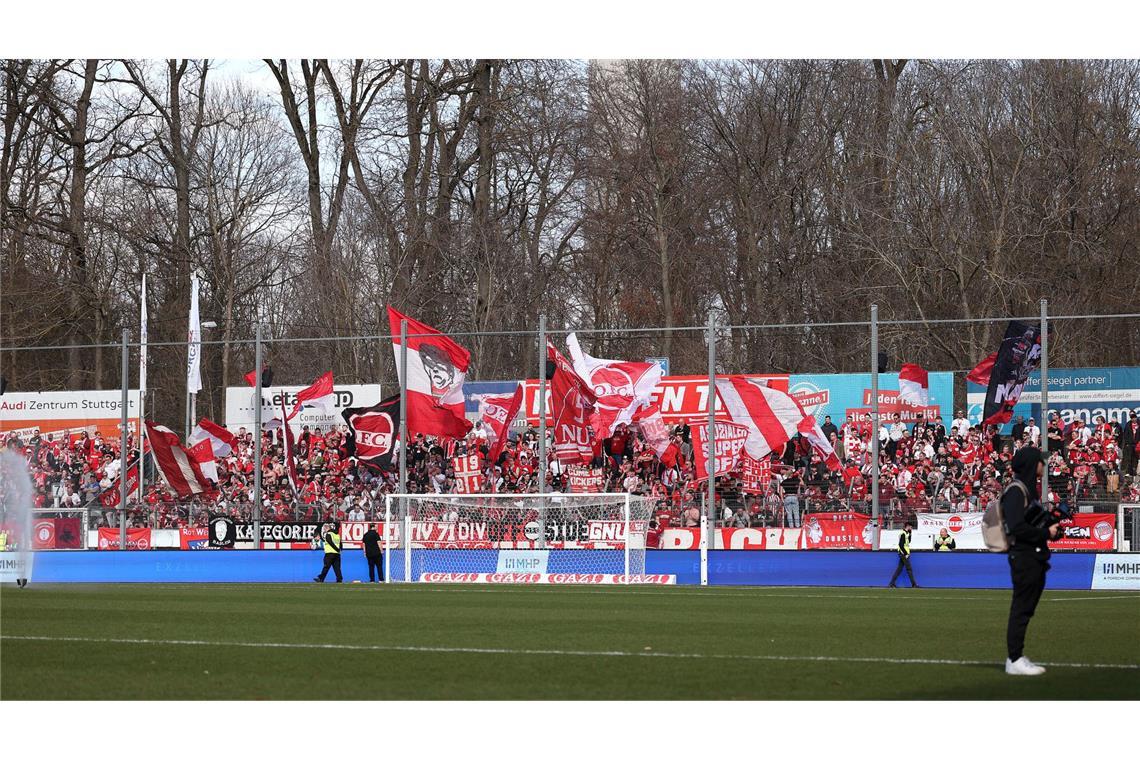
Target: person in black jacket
{"points": [[1028, 554], [373, 554]]}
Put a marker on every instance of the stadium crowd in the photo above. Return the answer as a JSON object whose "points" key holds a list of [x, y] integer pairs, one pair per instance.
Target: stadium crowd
{"points": [[923, 467]]}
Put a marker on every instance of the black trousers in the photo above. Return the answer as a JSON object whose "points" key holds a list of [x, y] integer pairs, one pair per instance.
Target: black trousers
{"points": [[904, 561], [331, 560], [1027, 570], [375, 567]]}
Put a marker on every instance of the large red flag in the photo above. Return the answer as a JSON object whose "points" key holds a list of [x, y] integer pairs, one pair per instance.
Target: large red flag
{"points": [[914, 385], [498, 413], [570, 403], [771, 416], [981, 373], [437, 366], [318, 395], [224, 442], [620, 388], [178, 468]]}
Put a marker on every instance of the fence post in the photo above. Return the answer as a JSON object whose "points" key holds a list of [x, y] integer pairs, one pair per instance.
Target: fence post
{"points": [[710, 451], [407, 542], [123, 448], [875, 427], [256, 511], [542, 465], [1045, 398]]}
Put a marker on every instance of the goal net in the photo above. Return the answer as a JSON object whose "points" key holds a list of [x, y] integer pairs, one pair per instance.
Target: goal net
{"points": [[517, 538]]}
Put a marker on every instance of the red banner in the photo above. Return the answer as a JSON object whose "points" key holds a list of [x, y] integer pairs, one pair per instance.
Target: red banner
{"points": [[585, 479], [723, 538], [468, 477], [191, 538], [43, 534], [730, 438], [755, 476], [137, 538], [57, 533], [836, 530], [1087, 530]]}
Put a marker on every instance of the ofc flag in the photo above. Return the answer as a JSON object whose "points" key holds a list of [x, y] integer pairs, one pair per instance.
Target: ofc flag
{"points": [[373, 431]]}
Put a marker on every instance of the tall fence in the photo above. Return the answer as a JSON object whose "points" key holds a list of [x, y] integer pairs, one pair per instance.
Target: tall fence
{"points": [[791, 354]]}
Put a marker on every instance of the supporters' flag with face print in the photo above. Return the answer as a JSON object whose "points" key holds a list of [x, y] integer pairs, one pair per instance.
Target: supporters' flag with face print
{"points": [[914, 385], [619, 388], [729, 443], [771, 416], [1019, 355], [437, 366], [373, 431], [570, 404], [980, 374], [222, 440], [498, 413], [181, 471], [319, 395]]}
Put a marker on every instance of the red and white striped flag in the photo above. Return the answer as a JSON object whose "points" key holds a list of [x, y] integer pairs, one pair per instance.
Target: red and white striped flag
{"points": [[223, 441], [620, 388], [437, 366], [319, 395], [914, 385], [181, 471], [498, 413], [771, 416]]}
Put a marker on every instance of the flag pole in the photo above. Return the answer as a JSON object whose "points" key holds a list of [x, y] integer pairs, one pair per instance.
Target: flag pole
{"points": [[542, 465], [123, 447], [1045, 399], [142, 388], [710, 498], [406, 524], [875, 426], [257, 439]]}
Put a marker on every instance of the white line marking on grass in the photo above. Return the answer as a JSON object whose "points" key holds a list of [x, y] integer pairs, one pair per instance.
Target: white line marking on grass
{"points": [[557, 652], [1086, 598]]}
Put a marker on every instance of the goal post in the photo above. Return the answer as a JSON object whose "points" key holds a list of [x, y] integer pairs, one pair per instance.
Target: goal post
{"points": [[550, 538]]}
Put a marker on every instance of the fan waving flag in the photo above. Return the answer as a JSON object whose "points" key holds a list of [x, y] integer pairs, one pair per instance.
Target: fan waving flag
{"points": [[620, 388], [181, 471], [914, 385], [437, 366], [373, 432], [653, 428], [498, 413], [319, 395], [570, 402], [771, 416], [222, 440]]}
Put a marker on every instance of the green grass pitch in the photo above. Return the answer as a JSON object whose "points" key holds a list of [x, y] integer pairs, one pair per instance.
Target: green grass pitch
{"points": [[494, 642]]}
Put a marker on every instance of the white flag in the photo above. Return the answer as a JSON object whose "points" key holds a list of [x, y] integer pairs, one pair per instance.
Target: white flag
{"points": [[142, 338], [194, 343]]}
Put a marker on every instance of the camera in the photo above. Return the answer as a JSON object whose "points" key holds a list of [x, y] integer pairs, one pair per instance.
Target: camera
{"points": [[1040, 517]]}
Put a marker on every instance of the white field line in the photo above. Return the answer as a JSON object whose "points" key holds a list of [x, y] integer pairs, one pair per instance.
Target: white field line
{"points": [[1087, 598], [554, 652]]}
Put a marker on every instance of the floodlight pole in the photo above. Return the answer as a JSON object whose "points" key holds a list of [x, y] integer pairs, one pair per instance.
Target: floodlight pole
{"points": [[123, 447], [256, 511], [710, 458], [875, 427], [542, 464], [1045, 398]]}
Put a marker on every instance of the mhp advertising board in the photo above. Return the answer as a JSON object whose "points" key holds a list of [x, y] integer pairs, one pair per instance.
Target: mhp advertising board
{"points": [[1075, 394], [838, 396]]}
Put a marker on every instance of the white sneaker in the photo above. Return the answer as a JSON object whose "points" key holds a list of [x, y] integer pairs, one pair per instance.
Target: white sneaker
{"points": [[1022, 666]]}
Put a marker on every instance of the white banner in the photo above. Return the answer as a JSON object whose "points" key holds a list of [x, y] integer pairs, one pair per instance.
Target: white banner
{"points": [[964, 527], [522, 561], [239, 405], [194, 343], [1116, 571]]}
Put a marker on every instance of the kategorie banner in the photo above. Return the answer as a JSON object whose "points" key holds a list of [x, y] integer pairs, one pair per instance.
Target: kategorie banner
{"points": [[836, 530], [137, 538]]}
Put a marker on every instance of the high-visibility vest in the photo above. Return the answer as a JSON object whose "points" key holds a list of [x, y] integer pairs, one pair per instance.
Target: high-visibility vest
{"points": [[3, 540], [943, 544], [329, 548], [905, 548]]}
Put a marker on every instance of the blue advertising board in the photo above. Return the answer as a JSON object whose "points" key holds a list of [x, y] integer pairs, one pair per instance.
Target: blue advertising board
{"points": [[839, 395], [1075, 394]]}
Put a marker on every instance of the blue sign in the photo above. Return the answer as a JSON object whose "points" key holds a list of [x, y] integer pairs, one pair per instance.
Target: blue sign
{"points": [[1075, 394], [839, 395], [660, 361]]}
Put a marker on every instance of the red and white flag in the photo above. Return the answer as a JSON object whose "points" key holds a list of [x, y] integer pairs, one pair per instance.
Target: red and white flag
{"points": [[468, 477], [822, 446], [223, 441], [729, 443], [619, 388], [570, 403], [181, 471], [653, 428], [202, 453], [914, 385], [437, 366], [981, 373], [319, 395], [771, 416], [498, 413]]}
